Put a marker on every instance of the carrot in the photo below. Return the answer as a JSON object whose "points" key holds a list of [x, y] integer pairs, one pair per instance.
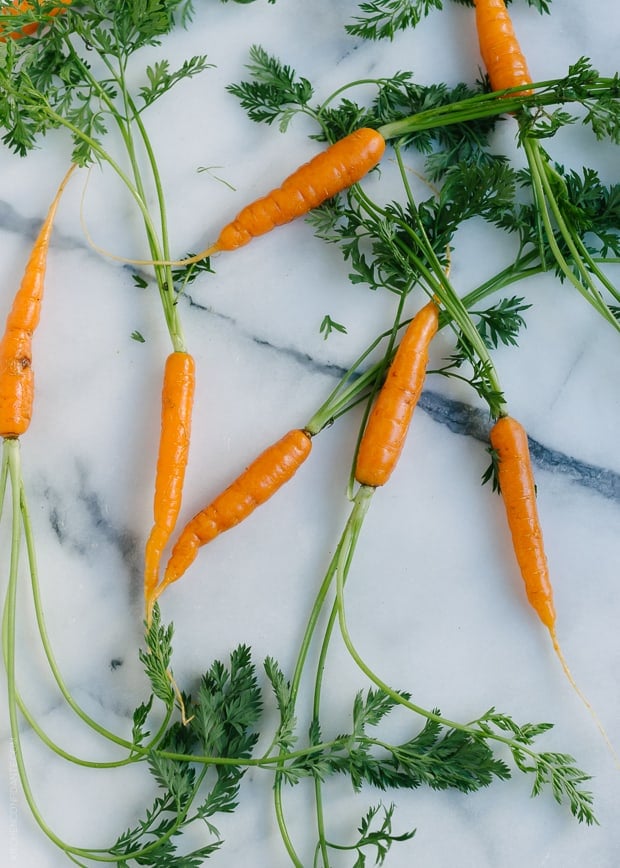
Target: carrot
{"points": [[499, 47], [14, 9], [389, 419], [330, 172], [516, 481], [16, 372], [176, 413], [264, 476]]}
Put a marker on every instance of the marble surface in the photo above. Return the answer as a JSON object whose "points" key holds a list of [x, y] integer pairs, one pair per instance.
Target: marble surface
{"points": [[434, 600]]}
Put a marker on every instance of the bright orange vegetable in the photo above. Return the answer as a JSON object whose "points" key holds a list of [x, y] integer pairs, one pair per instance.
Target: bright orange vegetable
{"points": [[265, 475], [389, 419], [333, 170], [15, 8], [16, 373], [177, 402], [499, 47], [516, 481]]}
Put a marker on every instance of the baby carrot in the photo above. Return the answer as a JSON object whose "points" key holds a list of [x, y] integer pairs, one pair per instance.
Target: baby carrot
{"points": [[516, 481], [328, 173], [176, 415], [389, 419], [504, 61], [16, 372], [264, 476]]}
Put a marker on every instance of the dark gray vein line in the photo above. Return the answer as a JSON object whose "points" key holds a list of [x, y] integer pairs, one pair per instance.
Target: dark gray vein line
{"points": [[458, 417]]}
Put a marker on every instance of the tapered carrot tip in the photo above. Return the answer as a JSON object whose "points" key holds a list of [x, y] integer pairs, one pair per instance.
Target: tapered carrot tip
{"points": [[578, 691]]}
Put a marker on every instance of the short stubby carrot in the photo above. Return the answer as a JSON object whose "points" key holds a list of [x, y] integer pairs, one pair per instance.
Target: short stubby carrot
{"points": [[502, 55], [177, 402], [15, 8], [516, 482], [259, 481], [330, 172], [388, 422], [16, 371]]}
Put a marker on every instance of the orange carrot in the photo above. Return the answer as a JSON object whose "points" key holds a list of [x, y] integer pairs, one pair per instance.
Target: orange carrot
{"points": [[176, 415], [330, 172], [516, 482], [389, 419], [499, 47], [16, 373], [264, 476], [15, 8]]}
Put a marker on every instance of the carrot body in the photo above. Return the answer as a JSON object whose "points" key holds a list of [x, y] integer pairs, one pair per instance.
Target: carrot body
{"points": [[389, 419], [264, 476], [516, 481], [505, 62], [176, 413], [14, 9], [16, 372], [330, 172]]}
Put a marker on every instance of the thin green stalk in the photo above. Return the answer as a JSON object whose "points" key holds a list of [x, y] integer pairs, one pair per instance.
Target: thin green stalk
{"points": [[543, 194], [550, 92]]}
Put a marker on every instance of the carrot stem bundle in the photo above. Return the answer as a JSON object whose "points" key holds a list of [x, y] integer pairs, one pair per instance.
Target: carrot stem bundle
{"points": [[16, 372]]}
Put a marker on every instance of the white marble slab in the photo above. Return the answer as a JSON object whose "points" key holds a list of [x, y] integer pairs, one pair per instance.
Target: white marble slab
{"points": [[434, 601]]}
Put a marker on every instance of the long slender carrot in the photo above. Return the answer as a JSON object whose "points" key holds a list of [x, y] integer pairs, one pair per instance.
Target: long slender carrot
{"points": [[516, 481], [177, 402], [264, 476], [389, 419], [499, 47], [15, 8], [16, 372]]}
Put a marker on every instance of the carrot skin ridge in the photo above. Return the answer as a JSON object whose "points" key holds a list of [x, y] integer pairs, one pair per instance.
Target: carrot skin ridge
{"points": [[500, 50], [516, 481], [179, 383], [16, 371], [328, 173], [389, 419], [275, 466]]}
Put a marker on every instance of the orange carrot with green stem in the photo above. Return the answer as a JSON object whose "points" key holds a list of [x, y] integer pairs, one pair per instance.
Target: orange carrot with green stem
{"points": [[16, 372]]}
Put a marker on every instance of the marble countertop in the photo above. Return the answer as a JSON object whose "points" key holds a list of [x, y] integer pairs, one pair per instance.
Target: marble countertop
{"points": [[434, 599]]}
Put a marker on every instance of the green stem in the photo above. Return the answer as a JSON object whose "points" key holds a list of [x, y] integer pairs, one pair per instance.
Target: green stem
{"points": [[545, 199]]}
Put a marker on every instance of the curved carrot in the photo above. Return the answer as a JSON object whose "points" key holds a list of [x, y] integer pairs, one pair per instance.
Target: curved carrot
{"points": [[389, 419], [176, 416], [499, 47], [333, 170], [14, 9], [516, 482], [16, 373], [264, 476]]}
